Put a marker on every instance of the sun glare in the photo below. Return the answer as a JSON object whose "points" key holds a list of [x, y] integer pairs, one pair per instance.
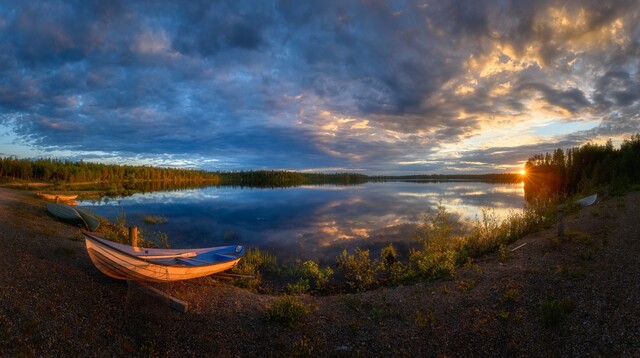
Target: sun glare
{"points": [[523, 172]]}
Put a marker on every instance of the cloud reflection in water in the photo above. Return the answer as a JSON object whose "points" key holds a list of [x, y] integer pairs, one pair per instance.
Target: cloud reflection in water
{"points": [[311, 222]]}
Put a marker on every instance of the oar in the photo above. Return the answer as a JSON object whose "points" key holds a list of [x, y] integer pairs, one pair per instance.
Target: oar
{"points": [[172, 256]]}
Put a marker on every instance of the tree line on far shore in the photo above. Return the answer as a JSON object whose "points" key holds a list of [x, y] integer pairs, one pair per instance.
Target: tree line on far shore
{"points": [[590, 167], [585, 169], [70, 172]]}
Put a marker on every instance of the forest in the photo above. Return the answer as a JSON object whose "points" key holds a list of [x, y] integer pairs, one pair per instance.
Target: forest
{"points": [[80, 172], [586, 169]]}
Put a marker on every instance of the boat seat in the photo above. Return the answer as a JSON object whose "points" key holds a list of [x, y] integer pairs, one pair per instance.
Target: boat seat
{"points": [[186, 262], [223, 257]]}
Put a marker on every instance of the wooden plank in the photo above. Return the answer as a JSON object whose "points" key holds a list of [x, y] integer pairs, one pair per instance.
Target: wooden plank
{"points": [[172, 302], [514, 249], [233, 275]]}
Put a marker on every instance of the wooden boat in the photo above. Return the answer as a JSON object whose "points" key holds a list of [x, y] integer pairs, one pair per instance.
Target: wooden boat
{"points": [[159, 265], [91, 221], [73, 216], [589, 200], [56, 197]]}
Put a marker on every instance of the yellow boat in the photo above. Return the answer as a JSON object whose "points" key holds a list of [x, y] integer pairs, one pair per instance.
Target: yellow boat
{"points": [[159, 265], [56, 197]]}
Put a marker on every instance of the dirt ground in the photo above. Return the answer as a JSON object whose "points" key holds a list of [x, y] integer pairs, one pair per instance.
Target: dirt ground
{"points": [[575, 296]]}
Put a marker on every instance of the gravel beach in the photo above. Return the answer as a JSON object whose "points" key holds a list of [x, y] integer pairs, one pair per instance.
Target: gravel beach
{"points": [[575, 296]]}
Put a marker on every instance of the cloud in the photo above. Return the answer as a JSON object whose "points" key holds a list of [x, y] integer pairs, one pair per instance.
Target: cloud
{"points": [[317, 84]]}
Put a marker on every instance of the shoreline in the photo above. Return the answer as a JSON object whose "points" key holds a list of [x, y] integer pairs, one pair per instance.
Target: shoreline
{"points": [[54, 302]]}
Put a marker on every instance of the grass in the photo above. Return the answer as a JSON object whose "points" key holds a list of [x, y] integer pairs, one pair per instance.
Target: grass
{"points": [[553, 311], [255, 263], [510, 296], [425, 319], [154, 219], [466, 285], [504, 255], [287, 311]]}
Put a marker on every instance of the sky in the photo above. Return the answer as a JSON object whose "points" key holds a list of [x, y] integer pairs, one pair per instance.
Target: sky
{"points": [[376, 87]]}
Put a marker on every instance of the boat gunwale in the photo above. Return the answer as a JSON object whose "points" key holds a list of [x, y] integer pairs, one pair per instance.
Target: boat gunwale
{"points": [[105, 243]]}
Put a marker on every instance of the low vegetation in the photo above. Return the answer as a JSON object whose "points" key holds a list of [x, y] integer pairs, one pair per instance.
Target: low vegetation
{"points": [[154, 219], [286, 310], [554, 311], [254, 264], [441, 248]]}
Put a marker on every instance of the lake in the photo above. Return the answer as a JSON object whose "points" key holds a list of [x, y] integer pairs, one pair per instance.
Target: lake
{"points": [[307, 222]]}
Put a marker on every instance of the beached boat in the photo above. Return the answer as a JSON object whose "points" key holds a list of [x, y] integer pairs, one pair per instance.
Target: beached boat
{"points": [[589, 200], [159, 265], [73, 216], [91, 221], [56, 197]]}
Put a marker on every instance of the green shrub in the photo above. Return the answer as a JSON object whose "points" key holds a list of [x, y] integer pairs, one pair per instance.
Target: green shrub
{"points": [[485, 234], [359, 270], [287, 310], [254, 262], [504, 254], [299, 287], [436, 229], [439, 250], [391, 265], [433, 263], [319, 277]]}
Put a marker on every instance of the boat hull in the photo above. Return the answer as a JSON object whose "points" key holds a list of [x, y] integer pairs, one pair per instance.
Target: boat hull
{"points": [[122, 262], [55, 197], [73, 216]]}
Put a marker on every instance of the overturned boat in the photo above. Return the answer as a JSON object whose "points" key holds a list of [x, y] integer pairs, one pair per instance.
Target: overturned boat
{"points": [[73, 215]]}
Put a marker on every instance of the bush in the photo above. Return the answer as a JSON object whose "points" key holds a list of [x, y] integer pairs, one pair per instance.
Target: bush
{"points": [[485, 234], [434, 263], [359, 270], [319, 277], [440, 250], [287, 311], [299, 287], [391, 265], [254, 262]]}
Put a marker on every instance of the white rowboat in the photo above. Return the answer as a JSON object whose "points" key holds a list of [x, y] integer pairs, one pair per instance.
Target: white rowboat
{"points": [[159, 265]]}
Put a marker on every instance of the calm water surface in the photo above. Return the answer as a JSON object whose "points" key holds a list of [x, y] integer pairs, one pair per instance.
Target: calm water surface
{"points": [[308, 222]]}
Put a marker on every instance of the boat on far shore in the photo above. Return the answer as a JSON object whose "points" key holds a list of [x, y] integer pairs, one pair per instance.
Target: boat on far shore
{"points": [[159, 265], [56, 197]]}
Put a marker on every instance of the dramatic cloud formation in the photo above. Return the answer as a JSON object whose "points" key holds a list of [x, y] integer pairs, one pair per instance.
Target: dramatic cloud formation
{"points": [[373, 86]]}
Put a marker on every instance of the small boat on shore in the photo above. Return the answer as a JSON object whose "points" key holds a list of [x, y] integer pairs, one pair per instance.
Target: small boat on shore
{"points": [[159, 265], [589, 200], [73, 215], [56, 197]]}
